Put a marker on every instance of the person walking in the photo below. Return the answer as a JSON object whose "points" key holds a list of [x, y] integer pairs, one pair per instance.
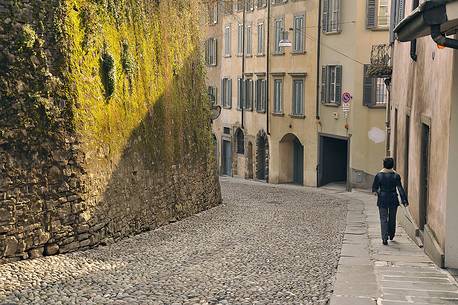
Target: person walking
{"points": [[386, 185]]}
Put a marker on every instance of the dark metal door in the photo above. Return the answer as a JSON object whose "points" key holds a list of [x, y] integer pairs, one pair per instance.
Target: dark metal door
{"points": [[424, 173], [298, 161], [227, 158]]}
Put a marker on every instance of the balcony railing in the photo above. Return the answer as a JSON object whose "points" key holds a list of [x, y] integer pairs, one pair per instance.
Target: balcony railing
{"points": [[380, 66]]}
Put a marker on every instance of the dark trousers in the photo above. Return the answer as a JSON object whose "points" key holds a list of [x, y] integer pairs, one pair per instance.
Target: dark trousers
{"points": [[388, 221]]}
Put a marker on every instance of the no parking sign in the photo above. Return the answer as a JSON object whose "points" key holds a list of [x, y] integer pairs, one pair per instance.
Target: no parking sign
{"points": [[346, 98]]}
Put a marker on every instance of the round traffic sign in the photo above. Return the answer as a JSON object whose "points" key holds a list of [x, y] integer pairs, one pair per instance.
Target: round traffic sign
{"points": [[346, 97]]}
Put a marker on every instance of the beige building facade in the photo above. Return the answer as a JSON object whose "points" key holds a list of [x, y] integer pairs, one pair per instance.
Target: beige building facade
{"points": [[267, 128], [351, 135], [424, 119]]}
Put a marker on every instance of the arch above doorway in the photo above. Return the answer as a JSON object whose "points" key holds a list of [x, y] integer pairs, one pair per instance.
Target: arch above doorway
{"points": [[291, 160]]}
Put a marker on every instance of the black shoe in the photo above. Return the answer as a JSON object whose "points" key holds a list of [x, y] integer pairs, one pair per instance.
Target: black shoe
{"points": [[385, 243], [391, 237]]}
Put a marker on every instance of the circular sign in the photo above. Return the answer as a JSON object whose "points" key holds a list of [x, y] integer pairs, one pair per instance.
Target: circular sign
{"points": [[346, 97], [215, 112]]}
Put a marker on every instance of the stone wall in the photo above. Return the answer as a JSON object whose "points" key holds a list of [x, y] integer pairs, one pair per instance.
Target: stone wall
{"points": [[90, 155]]}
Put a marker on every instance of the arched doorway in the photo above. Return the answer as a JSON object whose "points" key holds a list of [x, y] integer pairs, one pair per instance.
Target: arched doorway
{"points": [[239, 153], [262, 156], [250, 164], [291, 160]]}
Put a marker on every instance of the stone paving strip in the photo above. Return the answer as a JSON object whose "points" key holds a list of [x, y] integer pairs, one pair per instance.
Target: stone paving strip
{"points": [[266, 245], [397, 274]]}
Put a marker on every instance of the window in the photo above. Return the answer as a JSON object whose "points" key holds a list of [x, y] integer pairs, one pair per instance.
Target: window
{"points": [[249, 94], [261, 95], [240, 138], [375, 92], [299, 33], [239, 5], [213, 13], [298, 97], [377, 15], [240, 39], [331, 84], [278, 1], [278, 36], [212, 95], [278, 96], [261, 38], [227, 41], [249, 5], [261, 4], [240, 93], [228, 7], [331, 16], [249, 40], [226, 90], [210, 52]]}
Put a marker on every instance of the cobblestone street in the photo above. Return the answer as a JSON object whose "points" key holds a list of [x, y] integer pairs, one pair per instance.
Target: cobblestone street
{"points": [[266, 245]]}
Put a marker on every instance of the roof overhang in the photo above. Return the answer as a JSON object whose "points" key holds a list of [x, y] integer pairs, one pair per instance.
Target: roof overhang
{"points": [[430, 14]]}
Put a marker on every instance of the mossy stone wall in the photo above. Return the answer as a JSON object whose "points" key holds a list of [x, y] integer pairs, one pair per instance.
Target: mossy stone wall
{"points": [[104, 124]]}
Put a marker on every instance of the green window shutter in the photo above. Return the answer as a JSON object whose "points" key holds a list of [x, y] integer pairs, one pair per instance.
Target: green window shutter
{"points": [[338, 85], [369, 89], [324, 74], [371, 14], [325, 16]]}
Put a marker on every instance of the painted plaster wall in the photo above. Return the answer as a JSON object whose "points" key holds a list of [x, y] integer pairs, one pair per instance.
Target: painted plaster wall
{"points": [[354, 43], [423, 90]]}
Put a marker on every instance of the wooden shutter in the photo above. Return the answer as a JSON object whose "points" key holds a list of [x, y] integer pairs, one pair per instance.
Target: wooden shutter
{"points": [[338, 16], [324, 81], [230, 92], [369, 89], [325, 16], [223, 93], [338, 96], [371, 14]]}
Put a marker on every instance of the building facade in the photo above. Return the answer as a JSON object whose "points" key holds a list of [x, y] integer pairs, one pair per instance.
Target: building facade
{"points": [[267, 128], [284, 118], [351, 135], [424, 119]]}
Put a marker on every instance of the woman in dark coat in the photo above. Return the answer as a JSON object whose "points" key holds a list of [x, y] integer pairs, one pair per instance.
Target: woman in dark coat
{"points": [[386, 184]]}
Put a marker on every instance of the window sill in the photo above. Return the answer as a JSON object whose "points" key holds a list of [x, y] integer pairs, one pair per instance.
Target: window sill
{"points": [[211, 66], [333, 32], [297, 116], [379, 29], [279, 114], [278, 54], [227, 56], [213, 23], [239, 55], [298, 52], [376, 106], [227, 107], [331, 104], [260, 111], [249, 56], [260, 55]]}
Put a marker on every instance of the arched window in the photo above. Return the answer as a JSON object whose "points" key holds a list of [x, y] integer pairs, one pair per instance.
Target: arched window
{"points": [[240, 138]]}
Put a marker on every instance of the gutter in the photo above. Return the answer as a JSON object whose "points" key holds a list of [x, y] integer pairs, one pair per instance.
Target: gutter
{"points": [[318, 61], [431, 18], [268, 70], [243, 85]]}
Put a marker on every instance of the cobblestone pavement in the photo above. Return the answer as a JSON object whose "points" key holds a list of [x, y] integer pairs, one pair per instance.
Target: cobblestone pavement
{"points": [[266, 245]]}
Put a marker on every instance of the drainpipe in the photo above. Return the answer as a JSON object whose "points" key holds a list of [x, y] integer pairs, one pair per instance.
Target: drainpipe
{"points": [[318, 60], [268, 69], [440, 38], [388, 117], [242, 87]]}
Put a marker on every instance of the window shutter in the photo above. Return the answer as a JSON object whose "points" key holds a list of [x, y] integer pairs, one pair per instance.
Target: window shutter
{"points": [[325, 15], [324, 81], [223, 93], [369, 89], [338, 16], [338, 84], [371, 21], [215, 54], [230, 93]]}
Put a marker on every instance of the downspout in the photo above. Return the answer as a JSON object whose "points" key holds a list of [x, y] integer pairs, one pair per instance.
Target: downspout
{"points": [[441, 39], [318, 60], [388, 117], [242, 87], [268, 69]]}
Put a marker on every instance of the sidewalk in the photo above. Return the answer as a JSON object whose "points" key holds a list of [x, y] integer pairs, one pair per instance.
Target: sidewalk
{"points": [[370, 273]]}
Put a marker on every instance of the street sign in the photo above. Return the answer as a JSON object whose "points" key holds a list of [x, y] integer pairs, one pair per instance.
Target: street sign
{"points": [[346, 97]]}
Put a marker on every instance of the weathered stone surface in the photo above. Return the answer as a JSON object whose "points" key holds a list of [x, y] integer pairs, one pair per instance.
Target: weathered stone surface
{"points": [[51, 249], [36, 253], [11, 245]]}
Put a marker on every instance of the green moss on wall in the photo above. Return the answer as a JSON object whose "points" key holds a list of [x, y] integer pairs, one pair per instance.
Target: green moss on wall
{"points": [[151, 66]]}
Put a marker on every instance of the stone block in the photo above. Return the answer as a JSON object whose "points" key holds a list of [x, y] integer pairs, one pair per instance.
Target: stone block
{"points": [[70, 247], [11, 246], [51, 249], [36, 253]]}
